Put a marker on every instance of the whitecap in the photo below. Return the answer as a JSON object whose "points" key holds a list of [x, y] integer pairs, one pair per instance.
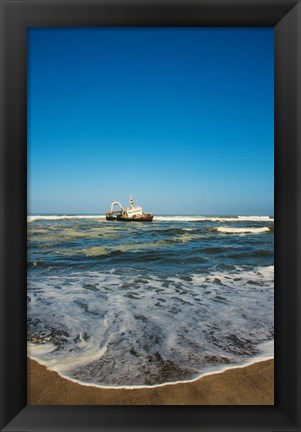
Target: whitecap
{"points": [[214, 218], [245, 230], [31, 218]]}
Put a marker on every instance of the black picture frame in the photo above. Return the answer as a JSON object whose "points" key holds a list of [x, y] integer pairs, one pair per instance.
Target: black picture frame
{"points": [[16, 17]]}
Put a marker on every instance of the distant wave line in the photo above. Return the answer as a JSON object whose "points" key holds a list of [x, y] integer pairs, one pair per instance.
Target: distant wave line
{"points": [[215, 218], [32, 218]]}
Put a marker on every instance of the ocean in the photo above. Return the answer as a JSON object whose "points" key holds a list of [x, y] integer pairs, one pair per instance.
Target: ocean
{"points": [[130, 304]]}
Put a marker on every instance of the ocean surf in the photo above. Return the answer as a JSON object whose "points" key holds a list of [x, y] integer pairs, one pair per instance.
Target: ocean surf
{"points": [[127, 305]]}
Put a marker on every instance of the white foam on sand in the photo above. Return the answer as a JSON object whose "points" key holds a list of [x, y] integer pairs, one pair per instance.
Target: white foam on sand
{"points": [[107, 315], [61, 365], [266, 353]]}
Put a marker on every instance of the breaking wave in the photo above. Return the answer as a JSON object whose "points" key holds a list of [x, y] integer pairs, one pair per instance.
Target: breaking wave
{"points": [[245, 230], [32, 218], [214, 218]]}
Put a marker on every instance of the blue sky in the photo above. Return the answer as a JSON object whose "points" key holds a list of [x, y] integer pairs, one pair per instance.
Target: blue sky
{"points": [[181, 118]]}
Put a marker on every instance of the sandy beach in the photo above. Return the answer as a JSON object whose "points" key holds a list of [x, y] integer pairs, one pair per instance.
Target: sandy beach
{"points": [[250, 385]]}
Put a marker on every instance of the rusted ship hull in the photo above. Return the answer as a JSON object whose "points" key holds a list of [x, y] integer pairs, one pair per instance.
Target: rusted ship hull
{"points": [[143, 218], [131, 214]]}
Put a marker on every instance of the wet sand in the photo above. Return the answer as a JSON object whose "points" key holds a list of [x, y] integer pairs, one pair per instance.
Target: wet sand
{"points": [[250, 385]]}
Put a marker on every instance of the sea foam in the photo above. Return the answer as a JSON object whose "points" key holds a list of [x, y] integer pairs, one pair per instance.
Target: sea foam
{"points": [[123, 329], [246, 230]]}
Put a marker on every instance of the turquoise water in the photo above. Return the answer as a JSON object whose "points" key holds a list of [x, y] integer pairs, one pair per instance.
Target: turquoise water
{"points": [[128, 304]]}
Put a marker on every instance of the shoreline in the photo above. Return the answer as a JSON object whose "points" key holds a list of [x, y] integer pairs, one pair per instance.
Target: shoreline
{"points": [[245, 385], [223, 368]]}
